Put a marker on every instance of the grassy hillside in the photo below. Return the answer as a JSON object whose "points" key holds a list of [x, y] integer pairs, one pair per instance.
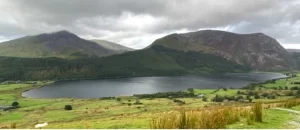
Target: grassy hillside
{"points": [[60, 44], [152, 61], [112, 46]]}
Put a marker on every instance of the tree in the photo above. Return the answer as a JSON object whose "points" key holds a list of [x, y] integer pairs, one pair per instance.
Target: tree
{"points": [[265, 94], [250, 99], [257, 97], [14, 104], [68, 107], [118, 99], [191, 90]]}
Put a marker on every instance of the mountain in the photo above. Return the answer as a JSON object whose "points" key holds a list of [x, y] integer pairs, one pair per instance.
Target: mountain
{"points": [[256, 50], [154, 61], [112, 46], [61, 44]]}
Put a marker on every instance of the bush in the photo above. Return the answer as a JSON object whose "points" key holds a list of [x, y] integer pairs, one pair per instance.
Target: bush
{"points": [[250, 99], [218, 98], [68, 107], [204, 99], [294, 88], [251, 93], [239, 98], [265, 94], [129, 104], [290, 93], [257, 97], [225, 89], [137, 102], [118, 99], [191, 90], [14, 104]]}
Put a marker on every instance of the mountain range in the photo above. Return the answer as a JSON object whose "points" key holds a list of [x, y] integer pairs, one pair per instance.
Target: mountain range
{"points": [[63, 55]]}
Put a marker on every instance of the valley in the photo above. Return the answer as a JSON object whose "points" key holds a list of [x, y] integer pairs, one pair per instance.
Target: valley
{"points": [[182, 67], [125, 112]]}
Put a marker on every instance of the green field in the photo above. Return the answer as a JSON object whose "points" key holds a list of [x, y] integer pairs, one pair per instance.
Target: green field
{"points": [[99, 113]]}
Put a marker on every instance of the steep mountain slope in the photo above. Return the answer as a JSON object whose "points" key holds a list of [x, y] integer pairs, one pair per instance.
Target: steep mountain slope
{"points": [[61, 44], [257, 50], [153, 61], [112, 46]]}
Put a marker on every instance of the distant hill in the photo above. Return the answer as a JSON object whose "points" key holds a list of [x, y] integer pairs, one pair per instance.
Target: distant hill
{"points": [[62, 44], [112, 46], [257, 50], [293, 50]]}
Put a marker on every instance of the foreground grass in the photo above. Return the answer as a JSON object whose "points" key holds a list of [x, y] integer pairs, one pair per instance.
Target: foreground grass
{"points": [[272, 119]]}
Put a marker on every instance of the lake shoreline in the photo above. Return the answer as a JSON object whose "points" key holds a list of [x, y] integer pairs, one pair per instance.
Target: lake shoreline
{"points": [[131, 77]]}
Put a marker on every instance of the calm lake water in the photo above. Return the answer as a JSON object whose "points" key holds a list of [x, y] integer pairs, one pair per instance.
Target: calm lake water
{"points": [[142, 85]]}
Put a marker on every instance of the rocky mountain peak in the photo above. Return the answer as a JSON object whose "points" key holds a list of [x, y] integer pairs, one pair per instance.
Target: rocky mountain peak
{"points": [[257, 50]]}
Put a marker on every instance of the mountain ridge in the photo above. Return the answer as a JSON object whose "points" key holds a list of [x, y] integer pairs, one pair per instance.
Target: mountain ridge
{"points": [[62, 44], [258, 50]]}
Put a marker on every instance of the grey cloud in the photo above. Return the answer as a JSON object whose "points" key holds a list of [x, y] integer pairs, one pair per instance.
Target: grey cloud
{"points": [[137, 23]]}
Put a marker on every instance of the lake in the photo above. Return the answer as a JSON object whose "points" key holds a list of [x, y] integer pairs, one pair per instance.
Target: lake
{"points": [[142, 85]]}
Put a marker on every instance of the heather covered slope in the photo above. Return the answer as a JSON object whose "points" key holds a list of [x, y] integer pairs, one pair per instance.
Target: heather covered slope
{"points": [[257, 50]]}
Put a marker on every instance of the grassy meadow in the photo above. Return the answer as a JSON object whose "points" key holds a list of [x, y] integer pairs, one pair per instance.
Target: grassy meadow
{"points": [[123, 113]]}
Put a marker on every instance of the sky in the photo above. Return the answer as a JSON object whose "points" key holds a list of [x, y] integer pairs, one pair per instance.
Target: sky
{"points": [[137, 23]]}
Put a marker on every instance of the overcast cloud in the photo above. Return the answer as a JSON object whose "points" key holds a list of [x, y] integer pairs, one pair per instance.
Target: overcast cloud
{"points": [[137, 23]]}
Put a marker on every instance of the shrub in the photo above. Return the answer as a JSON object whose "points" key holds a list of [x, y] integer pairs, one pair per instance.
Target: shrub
{"points": [[251, 93], [137, 102], [204, 99], [225, 89], [257, 97], [290, 93], [294, 88], [118, 99], [250, 99], [286, 88], [265, 94], [191, 90], [239, 98], [68, 107], [218, 98], [14, 104], [129, 104]]}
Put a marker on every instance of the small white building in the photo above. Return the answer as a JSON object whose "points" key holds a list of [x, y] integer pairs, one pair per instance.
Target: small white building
{"points": [[200, 95]]}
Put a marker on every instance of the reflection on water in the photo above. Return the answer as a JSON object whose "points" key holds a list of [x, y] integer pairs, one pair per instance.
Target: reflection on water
{"points": [[141, 85]]}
